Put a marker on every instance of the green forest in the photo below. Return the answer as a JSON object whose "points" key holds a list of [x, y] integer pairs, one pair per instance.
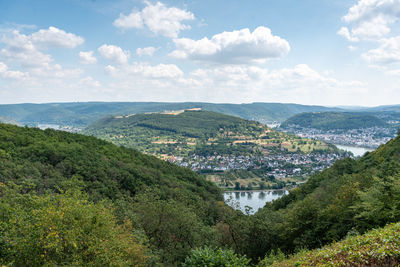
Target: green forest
{"points": [[334, 120], [68, 199]]}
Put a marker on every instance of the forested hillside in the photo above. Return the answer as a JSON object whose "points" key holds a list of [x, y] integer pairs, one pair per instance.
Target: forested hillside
{"points": [[334, 120], [171, 207]]}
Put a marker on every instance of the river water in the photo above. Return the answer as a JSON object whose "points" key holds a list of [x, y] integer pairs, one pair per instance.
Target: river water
{"points": [[252, 199], [357, 151]]}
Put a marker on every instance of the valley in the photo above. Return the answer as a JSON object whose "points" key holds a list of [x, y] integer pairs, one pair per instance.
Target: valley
{"points": [[83, 173], [153, 133]]}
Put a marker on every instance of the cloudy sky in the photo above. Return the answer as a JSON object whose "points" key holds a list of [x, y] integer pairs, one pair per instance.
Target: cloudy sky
{"points": [[327, 52]]}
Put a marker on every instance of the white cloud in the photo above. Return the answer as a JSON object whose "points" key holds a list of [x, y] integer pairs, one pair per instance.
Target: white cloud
{"points": [[388, 52], [369, 9], [146, 70], [352, 48], [146, 51], [20, 48], [368, 30], [230, 83], [26, 50], [158, 71], [370, 19], [114, 53], [133, 20], [36, 69], [344, 31], [286, 79], [158, 18], [372, 29], [236, 47], [373, 21], [53, 37], [89, 82], [251, 83], [17, 75], [87, 57]]}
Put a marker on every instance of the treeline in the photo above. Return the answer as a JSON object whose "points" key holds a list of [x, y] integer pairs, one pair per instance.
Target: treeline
{"points": [[68, 199], [334, 121]]}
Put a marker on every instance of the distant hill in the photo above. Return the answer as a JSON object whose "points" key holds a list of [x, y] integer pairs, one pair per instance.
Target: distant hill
{"points": [[334, 120], [189, 132], [84, 113], [387, 108]]}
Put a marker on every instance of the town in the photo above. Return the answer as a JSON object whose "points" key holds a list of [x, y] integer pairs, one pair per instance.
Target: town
{"points": [[365, 137], [282, 165]]}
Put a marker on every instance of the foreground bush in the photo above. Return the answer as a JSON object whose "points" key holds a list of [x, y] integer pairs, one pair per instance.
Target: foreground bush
{"points": [[376, 248], [217, 258], [63, 230]]}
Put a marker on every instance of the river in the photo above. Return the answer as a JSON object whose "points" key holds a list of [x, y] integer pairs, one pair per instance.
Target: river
{"points": [[357, 151], [253, 199]]}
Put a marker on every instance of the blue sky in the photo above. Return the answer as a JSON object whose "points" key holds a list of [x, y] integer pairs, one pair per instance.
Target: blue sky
{"points": [[308, 52]]}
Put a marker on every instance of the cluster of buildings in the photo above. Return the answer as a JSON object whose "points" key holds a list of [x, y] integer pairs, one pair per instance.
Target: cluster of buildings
{"points": [[66, 128], [280, 165], [366, 137]]}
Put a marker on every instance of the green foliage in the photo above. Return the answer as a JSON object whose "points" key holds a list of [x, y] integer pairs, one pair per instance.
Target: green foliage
{"points": [[48, 160], [380, 203], [376, 248], [274, 256], [63, 230], [175, 227], [129, 197], [334, 120], [215, 257]]}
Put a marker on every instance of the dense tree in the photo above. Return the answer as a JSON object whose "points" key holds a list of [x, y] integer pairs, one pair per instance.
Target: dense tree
{"points": [[215, 257], [47, 159], [64, 229]]}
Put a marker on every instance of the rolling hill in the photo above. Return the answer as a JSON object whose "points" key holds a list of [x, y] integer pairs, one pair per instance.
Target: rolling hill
{"points": [[334, 120], [197, 132]]}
